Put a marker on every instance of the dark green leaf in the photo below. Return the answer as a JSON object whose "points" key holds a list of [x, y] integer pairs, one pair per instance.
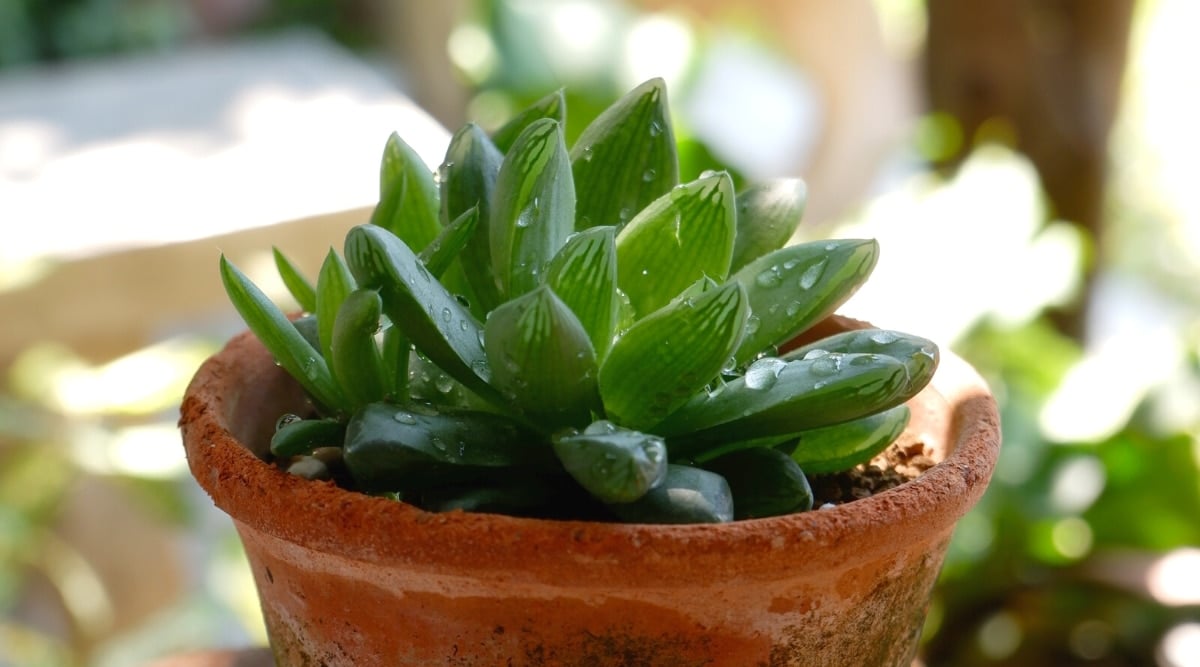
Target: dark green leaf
{"points": [[764, 482], [282, 339], [468, 177], [438, 255], [408, 196], [356, 361], [767, 216], [686, 495], [919, 355], [843, 446], [613, 464], [299, 286], [775, 397], [305, 435], [584, 275], [793, 288], [625, 158], [679, 238], [664, 359], [542, 360], [552, 106], [533, 209], [434, 321], [412, 446], [395, 353], [334, 283]]}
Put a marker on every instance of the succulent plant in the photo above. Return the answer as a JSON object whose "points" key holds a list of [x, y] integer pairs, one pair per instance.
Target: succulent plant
{"points": [[575, 333]]}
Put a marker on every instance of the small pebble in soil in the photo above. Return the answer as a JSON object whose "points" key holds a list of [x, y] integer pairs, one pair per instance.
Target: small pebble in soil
{"points": [[309, 467]]}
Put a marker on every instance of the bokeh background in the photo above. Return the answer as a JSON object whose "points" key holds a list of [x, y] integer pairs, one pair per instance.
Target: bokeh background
{"points": [[1028, 166]]}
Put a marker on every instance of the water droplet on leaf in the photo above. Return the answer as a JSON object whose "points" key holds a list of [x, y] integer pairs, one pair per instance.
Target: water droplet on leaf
{"points": [[405, 418], [764, 373], [286, 419], [769, 277], [812, 274]]}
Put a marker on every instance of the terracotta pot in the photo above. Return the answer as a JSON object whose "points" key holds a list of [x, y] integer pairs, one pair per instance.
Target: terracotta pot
{"points": [[347, 579]]}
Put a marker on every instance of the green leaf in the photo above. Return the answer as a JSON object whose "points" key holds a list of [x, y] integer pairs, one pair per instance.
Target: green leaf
{"points": [[396, 352], [767, 216], [552, 106], [413, 446], [679, 238], [843, 446], [777, 397], [299, 287], [625, 158], [434, 321], [613, 464], [408, 196], [533, 209], [686, 495], [305, 435], [334, 283], [356, 361], [795, 287], [584, 275], [919, 355], [468, 177], [664, 359], [542, 360], [439, 254], [282, 339], [764, 482]]}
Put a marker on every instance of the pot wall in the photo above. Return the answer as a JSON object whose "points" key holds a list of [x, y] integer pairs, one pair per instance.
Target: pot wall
{"points": [[346, 579]]}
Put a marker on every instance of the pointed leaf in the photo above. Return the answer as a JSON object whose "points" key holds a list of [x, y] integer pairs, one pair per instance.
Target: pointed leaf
{"points": [[767, 216], [775, 397], [282, 339], [436, 323], [613, 464], [764, 482], [686, 495], [442, 251], [793, 288], [919, 355], [552, 106], [334, 282], [843, 446], [664, 359], [625, 158], [681, 237], [542, 360], [533, 210], [468, 177], [584, 275], [304, 435], [408, 196], [395, 353], [295, 282], [413, 446], [355, 360]]}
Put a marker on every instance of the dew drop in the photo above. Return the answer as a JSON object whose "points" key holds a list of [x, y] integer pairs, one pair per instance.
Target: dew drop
{"points": [[793, 309], [790, 264], [655, 128], [764, 373], [812, 274], [463, 326], [447, 315], [625, 214], [753, 324], [884, 337], [444, 384], [649, 175], [830, 247], [588, 153], [729, 367], [830, 364], [286, 419], [438, 443], [769, 277], [813, 354], [405, 418], [865, 360]]}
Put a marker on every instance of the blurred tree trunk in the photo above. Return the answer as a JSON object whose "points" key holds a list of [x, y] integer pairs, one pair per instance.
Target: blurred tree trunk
{"points": [[1051, 70]]}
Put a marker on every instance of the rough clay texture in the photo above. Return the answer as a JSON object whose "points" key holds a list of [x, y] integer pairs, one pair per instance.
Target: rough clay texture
{"points": [[347, 579]]}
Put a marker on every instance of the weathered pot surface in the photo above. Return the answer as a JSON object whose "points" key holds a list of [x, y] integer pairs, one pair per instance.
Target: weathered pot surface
{"points": [[347, 579]]}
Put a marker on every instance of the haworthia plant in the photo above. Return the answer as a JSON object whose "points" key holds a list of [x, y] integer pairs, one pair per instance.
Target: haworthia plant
{"points": [[574, 333]]}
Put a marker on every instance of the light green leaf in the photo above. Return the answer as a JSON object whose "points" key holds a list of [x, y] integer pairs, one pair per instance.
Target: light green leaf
{"points": [[436, 323], [438, 255], [767, 216], [775, 397], [795, 287], [542, 360], [584, 275], [552, 106], [396, 352], [686, 495], [533, 209], [919, 355], [468, 177], [679, 238], [295, 282], [665, 358], [282, 339], [408, 196], [613, 464], [625, 158], [843, 446], [334, 282], [355, 360]]}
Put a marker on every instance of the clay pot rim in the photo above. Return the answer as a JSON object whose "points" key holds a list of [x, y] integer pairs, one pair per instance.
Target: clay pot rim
{"points": [[325, 517]]}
